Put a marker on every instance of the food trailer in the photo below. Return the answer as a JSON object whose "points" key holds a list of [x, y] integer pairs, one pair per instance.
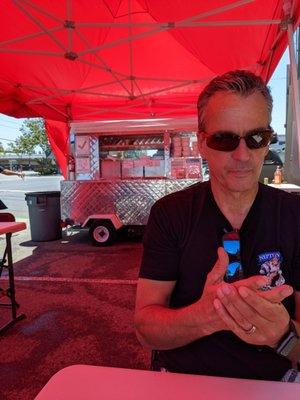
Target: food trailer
{"points": [[115, 177]]}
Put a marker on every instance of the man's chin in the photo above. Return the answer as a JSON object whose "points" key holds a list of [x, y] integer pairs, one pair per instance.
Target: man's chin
{"points": [[241, 183]]}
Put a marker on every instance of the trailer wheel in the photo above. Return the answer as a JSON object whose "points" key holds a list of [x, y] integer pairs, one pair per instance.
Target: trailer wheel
{"points": [[102, 233]]}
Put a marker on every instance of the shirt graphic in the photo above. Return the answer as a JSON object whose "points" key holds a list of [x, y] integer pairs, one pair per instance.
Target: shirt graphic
{"points": [[270, 266]]}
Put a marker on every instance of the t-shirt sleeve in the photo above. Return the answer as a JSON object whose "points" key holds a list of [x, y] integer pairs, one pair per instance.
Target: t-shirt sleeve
{"points": [[1, 169], [161, 255]]}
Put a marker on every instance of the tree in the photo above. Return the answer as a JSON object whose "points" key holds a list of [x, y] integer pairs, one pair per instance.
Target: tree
{"points": [[33, 135], [22, 145], [2, 150]]}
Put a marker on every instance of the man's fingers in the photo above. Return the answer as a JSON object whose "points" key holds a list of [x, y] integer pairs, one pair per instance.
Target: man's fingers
{"points": [[277, 294], [254, 282], [227, 318], [264, 308], [257, 283], [227, 294], [216, 275]]}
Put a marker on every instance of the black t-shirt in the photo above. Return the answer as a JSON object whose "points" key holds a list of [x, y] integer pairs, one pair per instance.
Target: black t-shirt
{"points": [[1, 169], [181, 240]]}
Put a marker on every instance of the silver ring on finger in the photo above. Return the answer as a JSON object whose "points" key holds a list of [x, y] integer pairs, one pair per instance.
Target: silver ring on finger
{"points": [[251, 330]]}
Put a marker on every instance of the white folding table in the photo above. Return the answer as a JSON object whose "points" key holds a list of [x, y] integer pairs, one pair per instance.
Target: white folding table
{"points": [[288, 187], [85, 382]]}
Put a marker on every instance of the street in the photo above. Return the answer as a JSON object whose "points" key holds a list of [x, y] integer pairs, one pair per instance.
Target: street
{"points": [[13, 189]]}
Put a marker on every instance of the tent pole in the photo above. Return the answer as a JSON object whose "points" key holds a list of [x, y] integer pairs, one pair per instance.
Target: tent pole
{"points": [[298, 53], [295, 86], [70, 146]]}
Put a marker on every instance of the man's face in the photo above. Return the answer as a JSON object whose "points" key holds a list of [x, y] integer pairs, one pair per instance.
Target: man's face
{"points": [[236, 170]]}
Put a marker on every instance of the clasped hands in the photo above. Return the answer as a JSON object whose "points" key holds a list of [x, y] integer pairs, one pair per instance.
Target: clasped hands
{"points": [[255, 316]]}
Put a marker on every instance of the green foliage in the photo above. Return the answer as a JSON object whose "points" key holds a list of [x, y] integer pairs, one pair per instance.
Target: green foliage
{"points": [[46, 166], [33, 135], [2, 150], [134, 153], [22, 145]]}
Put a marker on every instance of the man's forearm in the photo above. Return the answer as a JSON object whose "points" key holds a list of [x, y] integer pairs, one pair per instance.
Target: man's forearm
{"points": [[162, 328], [8, 172]]}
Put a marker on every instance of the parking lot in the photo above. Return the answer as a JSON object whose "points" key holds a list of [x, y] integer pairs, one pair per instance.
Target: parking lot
{"points": [[78, 300]]}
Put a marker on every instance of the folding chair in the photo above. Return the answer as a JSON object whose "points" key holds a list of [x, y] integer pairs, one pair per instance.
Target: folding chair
{"points": [[5, 217], [7, 262]]}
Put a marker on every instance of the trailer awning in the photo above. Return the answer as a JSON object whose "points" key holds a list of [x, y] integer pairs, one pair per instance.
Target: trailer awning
{"points": [[123, 59]]}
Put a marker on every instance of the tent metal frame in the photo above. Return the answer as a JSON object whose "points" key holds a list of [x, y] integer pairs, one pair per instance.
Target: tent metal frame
{"points": [[128, 83]]}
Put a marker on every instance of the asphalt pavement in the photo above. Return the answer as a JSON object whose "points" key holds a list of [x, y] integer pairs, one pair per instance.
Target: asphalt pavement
{"points": [[78, 300], [79, 305], [13, 189]]}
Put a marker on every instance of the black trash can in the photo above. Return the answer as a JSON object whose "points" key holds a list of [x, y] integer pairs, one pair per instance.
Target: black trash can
{"points": [[44, 215]]}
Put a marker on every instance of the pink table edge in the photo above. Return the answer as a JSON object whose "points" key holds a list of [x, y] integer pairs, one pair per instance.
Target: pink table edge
{"points": [[11, 227]]}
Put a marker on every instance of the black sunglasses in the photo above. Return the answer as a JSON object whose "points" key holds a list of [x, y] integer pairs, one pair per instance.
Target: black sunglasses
{"points": [[229, 141], [232, 246]]}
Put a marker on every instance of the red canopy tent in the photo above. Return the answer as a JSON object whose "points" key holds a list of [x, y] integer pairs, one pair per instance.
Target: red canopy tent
{"points": [[78, 60]]}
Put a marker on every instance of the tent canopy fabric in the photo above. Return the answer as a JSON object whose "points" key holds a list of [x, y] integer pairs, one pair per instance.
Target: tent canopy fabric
{"points": [[123, 59], [79, 60]]}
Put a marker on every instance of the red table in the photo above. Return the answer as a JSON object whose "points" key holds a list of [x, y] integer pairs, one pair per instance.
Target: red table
{"points": [[86, 382], [7, 229]]}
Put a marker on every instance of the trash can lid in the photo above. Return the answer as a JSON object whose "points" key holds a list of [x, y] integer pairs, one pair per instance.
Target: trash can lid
{"points": [[47, 194]]}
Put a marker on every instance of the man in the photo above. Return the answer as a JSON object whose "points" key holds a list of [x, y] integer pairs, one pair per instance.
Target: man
{"points": [[5, 171], [196, 322]]}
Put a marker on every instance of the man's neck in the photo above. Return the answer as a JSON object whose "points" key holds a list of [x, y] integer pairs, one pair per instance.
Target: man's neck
{"points": [[234, 205]]}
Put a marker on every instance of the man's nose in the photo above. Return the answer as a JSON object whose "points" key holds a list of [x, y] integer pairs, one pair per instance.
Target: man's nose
{"points": [[242, 152]]}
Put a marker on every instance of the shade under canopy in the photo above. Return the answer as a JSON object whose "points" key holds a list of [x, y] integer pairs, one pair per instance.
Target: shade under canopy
{"points": [[123, 59]]}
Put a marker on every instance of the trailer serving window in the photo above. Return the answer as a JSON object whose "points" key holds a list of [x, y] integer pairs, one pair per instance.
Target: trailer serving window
{"points": [[159, 155], [132, 156]]}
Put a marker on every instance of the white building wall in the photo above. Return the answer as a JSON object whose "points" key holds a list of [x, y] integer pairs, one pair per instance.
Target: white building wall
{"points": [[291, 166]]}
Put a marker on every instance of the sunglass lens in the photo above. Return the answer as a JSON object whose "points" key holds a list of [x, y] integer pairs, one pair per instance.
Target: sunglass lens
{"points": [[231, 246], [223, 142], [234, 272], [258, 140]]}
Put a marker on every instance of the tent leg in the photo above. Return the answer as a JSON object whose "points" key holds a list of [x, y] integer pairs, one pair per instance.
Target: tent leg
{"points": [[295, 86]]}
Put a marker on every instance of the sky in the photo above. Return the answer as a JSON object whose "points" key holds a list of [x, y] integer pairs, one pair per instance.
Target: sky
{"points": [[9, 127], [278, 89]]}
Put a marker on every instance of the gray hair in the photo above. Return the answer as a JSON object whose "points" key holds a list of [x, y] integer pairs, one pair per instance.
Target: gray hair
{"points": [[240, 82]]}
